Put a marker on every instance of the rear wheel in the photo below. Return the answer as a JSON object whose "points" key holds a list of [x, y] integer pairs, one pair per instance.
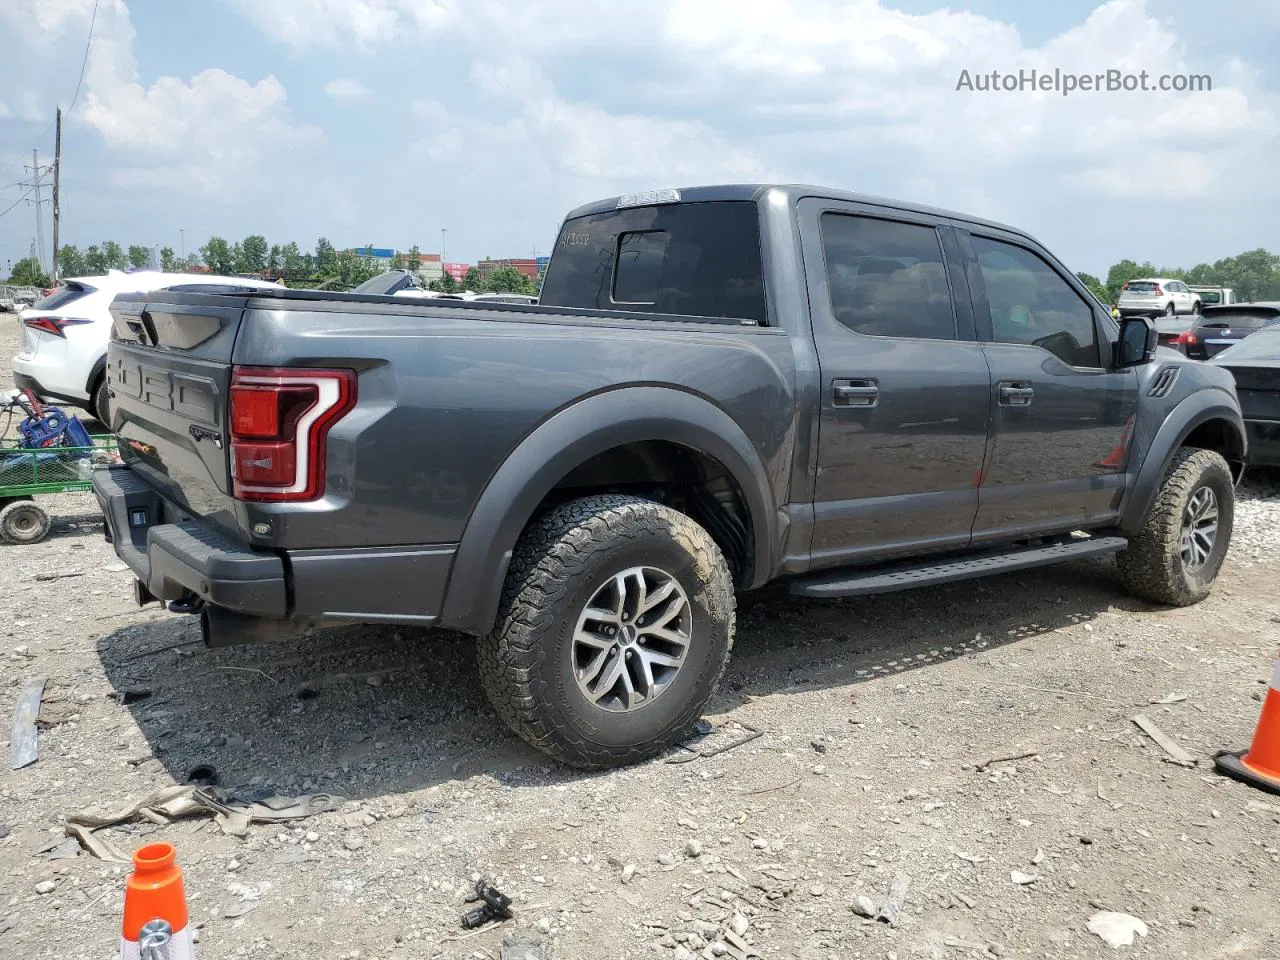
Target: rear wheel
{"points": [[1178, 554], [1196, 308], [1170, 310], [615, 624], [23, 522], [101, 408]]}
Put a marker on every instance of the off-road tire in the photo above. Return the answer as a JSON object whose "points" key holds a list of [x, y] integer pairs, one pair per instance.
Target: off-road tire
{"points": [[101, 409], [1152, 567], [23, 522], [558, 565]]}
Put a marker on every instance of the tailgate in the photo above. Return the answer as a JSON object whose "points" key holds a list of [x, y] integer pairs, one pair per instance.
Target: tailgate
{"points": [[169, 369]]}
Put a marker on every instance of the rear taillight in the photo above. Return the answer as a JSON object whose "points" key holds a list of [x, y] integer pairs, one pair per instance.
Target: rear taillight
{"points": [[54, 325], [279, 420], [1159, 292], [1187, 338]]}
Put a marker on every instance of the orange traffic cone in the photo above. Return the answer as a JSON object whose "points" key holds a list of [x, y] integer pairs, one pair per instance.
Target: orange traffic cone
{"points": [[1259, 766], [155, 908]]}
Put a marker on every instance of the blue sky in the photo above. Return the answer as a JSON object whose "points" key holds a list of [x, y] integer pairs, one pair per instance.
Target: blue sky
{"points": [[383, 121]]}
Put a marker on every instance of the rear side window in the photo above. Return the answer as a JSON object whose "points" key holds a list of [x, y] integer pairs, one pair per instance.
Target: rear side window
{"points": [[689, 259], [887, 278], [64, 296]]}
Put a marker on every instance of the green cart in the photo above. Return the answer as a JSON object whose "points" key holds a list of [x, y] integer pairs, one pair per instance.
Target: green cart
{"points": [[27, 473]]}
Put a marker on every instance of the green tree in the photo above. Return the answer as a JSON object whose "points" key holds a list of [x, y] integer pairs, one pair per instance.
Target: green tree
{"points": [[274, 260], [1122, 272], [509, 280], [114, 255], [1095, 287], [413, 259], [71, 262], [168, 262], [253, 254], [94, 262], [139, 256], [326, 258], [292, 261], [471, 281], [218, 256], [27, 272]]}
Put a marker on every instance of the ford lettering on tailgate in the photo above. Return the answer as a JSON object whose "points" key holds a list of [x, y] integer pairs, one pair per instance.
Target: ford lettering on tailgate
{"points": [[189, 395]]}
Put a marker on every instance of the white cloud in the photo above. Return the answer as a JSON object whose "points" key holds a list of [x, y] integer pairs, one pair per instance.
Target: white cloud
{"points": [[4, 110], [363, 23], [345, 88]]}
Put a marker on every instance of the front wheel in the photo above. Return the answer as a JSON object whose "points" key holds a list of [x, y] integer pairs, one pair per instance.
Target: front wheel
{"points": [[1178, 554], [615, 625]]}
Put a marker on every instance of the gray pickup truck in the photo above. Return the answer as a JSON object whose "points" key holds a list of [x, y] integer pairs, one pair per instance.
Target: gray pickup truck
{"points": [[721, 387]]}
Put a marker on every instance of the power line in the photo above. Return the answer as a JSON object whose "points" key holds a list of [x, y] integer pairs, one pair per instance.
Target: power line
{"points": [[93, 19], [85, 62], [18, 201]]}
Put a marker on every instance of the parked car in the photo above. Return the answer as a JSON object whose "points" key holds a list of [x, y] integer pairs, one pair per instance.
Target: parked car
{"points": [[1172, 331], [1254, 362], [62, 354], [1220, 327], [1214, 296], [720, 387], [1153, 296]]}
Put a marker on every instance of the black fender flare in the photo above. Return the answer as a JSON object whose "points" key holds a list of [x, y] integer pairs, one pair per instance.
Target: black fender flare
{"points": [[99, 368], [1194, 411], [568, 439]]}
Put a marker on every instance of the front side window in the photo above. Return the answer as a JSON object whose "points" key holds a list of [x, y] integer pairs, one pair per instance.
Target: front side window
{"points": [[1031, 303], [886, 278]]}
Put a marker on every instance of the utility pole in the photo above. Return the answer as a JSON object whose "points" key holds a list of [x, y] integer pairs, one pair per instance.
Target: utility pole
{"points": [[182, 242], [444, 236], [57, 182], [34, 199]]}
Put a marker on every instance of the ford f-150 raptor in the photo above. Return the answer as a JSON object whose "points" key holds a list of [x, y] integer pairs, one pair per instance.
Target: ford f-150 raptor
{"points": [[720, 387]]}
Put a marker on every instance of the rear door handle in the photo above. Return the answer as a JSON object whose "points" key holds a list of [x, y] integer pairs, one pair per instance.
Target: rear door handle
{"points": [[855, 393], [1016, 393]]}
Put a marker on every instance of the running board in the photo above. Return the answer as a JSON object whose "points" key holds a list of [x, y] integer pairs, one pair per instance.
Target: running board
{"points": [[846, 583]]}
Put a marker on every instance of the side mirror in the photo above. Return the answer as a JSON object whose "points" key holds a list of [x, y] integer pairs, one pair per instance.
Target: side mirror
{"points": [[1137, 343]]}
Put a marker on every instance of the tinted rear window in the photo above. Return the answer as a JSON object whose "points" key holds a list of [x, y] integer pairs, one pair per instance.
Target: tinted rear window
{"points": [[64, 296], [1139, 287], [690, 259], [1240, 319], [1263, 345]]}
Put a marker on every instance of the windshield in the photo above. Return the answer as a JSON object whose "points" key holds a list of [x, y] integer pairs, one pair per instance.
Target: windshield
{"points": [[1263, 345]]}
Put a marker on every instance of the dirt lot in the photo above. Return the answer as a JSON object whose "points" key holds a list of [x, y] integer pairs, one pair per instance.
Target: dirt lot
{"points": [[882, 722]]}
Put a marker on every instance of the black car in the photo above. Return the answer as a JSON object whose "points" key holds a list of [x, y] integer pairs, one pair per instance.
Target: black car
{"points": [[1255, 363], [1221, 327]]}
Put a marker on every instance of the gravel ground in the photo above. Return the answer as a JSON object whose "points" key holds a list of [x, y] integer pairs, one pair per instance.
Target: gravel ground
{"points": [[883, 723]]}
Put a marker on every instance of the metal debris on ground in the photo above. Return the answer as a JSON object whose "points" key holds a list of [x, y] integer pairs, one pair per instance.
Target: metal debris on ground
{"points": [[232, 813], [704, 731], [981, 767], [1167, 743], [523, 946], [22, 741], [494, 905]]}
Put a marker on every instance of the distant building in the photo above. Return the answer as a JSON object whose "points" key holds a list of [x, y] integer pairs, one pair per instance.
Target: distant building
{"points": [[457, 270], [528, 266], [379, 256], [428, 268]]}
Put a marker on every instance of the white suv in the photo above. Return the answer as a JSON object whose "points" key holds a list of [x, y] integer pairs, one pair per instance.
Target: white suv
{"points": [[1150, 296], [63, 352]]}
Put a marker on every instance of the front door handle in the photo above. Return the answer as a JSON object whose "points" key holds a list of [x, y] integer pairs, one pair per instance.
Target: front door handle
{"points": [[855, 393], [1016, 393]]}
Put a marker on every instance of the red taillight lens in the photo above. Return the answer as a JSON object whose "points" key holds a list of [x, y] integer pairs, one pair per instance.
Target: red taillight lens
{"points": [[54, 325], [1188, 338], [1159, 292], [279, 420]]}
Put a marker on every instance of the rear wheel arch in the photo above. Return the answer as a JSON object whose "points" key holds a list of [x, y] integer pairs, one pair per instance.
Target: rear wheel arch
{"points": [[588, 441]]}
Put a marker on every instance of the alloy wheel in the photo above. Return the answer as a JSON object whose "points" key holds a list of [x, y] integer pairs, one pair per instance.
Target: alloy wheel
{"points": [[1199, 529]]}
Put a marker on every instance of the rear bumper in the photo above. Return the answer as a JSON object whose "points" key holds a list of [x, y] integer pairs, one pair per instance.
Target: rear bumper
{"points": [[27, 381], [1264, 442], [1141, 310], [176, 556]]}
